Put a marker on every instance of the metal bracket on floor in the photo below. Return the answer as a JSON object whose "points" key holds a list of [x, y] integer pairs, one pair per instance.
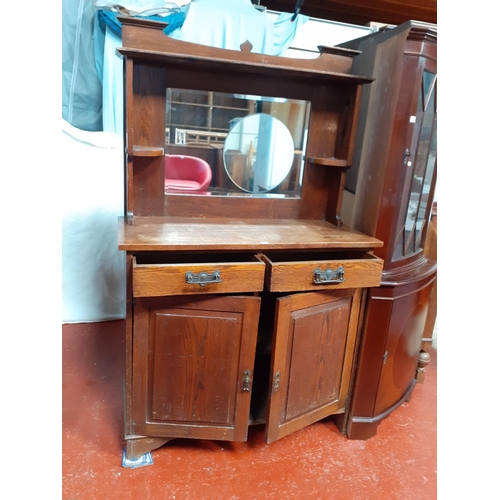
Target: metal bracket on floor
{"points": [[133, 463]]}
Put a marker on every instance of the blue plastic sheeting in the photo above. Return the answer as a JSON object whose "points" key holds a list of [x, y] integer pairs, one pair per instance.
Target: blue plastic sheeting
{"points": [[81, 85], [229, 24], [285, 30], [83, 33], [134, 463], [110, 19], [208, 22]]}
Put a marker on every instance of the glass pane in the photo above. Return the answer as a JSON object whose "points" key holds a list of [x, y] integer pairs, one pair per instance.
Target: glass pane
{"points": [[240, 138], [405, 229], [413, 222], [419, 165], [428, 80], [398, 248], [423, 212]]}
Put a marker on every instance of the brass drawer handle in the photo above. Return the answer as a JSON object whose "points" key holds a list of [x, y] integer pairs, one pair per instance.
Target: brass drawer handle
{"points": [[203, 278], [328, 276]]}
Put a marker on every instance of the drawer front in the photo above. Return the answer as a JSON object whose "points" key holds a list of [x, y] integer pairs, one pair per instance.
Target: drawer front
{"points": [[157, 280], [323, 274]]}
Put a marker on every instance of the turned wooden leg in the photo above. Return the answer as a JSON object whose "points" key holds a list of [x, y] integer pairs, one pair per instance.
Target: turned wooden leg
{"points": [[424, 359]]}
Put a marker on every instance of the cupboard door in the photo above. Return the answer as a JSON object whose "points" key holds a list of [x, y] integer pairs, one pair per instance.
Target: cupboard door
{"points": [[313, 351], [402, 347], [193, 363]]}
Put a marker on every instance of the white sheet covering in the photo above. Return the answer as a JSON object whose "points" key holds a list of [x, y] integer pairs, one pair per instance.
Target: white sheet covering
{"points": [[93, 270]]}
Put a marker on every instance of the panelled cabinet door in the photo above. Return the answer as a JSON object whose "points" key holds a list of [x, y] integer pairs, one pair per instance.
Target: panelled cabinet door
{"points": [[313, 351], [193, 364]]}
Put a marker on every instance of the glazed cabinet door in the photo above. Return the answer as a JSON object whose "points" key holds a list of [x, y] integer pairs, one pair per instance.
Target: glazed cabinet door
{"points": [[313, 350], [193, 363], [420, 162]]}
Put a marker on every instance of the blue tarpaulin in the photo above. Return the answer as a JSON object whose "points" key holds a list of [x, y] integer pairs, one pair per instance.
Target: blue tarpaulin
{"points": [[110, 19]]}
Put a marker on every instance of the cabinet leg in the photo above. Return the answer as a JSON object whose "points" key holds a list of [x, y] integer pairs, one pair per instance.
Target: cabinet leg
{"points": [[424, 359], [366, 427], [137, 446], [361, 430], [340, 421]]}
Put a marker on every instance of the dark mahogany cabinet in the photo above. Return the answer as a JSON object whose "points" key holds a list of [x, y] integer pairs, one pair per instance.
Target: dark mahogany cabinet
{"points": [[393, 182]]}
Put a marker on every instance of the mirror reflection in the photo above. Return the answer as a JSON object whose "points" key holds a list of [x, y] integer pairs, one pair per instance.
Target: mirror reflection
{"points": [[247, 145], [258, 153]]}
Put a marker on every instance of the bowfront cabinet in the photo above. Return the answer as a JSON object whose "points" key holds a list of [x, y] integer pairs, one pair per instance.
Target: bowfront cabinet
{"points": [[393, 182], [244, 301]]}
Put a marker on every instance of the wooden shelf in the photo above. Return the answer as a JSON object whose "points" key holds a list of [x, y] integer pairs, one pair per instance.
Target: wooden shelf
{"points": [[147, 151], [328, 162]]}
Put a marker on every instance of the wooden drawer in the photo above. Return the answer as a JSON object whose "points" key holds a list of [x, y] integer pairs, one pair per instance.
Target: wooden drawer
{"points": [[309, 271], [156, 279]]}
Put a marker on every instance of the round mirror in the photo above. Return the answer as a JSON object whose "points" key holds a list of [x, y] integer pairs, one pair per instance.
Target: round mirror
{"points": [[258, 153]]}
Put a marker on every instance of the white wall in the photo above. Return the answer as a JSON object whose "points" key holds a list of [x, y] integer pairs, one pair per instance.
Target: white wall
{"points": [[315, 32]]}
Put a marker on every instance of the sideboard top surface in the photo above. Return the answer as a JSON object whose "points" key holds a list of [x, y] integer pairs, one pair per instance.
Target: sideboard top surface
{"points": [[181, 233]]}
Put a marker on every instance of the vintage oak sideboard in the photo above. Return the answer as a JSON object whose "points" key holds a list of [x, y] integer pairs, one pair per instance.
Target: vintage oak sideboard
{"points": [[244, 298]]}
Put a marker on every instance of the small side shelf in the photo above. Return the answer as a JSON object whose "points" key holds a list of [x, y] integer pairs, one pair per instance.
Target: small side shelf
{"points": [[143, 151], [328, 162], [339, 51]]}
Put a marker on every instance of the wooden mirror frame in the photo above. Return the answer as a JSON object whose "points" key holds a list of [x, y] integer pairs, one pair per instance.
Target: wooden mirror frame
{"points": [[153, 62]]}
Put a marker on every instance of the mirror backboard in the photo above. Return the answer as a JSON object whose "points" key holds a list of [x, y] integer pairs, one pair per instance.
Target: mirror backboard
{"points": [[253, 145]]}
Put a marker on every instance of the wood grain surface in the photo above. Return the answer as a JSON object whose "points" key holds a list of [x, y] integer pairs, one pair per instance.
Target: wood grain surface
{"points": [[163, 233]]}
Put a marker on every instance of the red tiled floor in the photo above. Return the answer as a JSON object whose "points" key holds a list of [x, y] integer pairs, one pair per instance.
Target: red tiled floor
{"points": [[318, 463]]}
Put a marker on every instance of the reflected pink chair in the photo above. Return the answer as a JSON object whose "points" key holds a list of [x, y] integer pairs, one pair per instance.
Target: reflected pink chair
{"points": [[186, 174]]}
